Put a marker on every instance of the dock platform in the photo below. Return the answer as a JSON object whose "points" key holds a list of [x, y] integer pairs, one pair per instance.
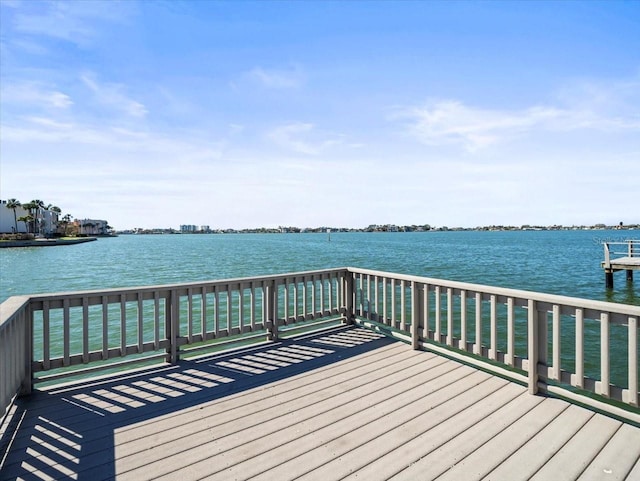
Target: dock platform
{"points": [[347, 403], [629, 262]]}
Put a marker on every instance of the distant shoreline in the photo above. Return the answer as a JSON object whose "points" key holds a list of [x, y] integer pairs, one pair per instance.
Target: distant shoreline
{"points": [[45, 242]]}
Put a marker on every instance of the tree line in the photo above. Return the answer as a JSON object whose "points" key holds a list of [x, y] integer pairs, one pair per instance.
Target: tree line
{"points": [[33, 220]]}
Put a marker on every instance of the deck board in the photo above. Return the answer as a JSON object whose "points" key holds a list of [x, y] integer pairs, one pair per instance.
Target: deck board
{"points": [[346, 404]]}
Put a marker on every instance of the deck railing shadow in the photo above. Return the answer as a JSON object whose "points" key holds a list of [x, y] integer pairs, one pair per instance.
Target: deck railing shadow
{"points": [[68, 432]]}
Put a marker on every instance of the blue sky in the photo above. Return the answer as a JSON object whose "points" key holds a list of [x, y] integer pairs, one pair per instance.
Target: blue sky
{"points": [[247, 114]]}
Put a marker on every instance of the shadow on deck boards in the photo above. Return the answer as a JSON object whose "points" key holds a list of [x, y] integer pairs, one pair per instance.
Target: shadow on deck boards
{"points": [[68, 432]]}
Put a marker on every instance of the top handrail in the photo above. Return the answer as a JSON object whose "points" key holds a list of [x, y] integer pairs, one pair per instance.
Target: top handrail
{"points": [[632, 250], [625, 309]]}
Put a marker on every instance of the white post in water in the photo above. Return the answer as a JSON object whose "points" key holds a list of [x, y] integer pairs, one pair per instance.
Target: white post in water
{"points": [[630, 250], [608, 270]]}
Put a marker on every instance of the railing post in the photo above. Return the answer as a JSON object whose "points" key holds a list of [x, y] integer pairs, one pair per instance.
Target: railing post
{"points": [[271, 308], [604, 355], [349, 298], [608, 271], [27, 379], [172, 326], [537, 345], [417, 300], [633, 360]]}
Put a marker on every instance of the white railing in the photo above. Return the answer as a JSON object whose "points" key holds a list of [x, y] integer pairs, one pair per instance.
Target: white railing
{"points": [[14, 350], [552, 343], [631, 249]]}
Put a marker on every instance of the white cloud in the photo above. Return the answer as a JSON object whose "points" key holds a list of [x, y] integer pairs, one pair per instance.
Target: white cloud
{"points": [[446, 122], [34, 93], [304, 138], [76, 22], [277, 79], [287, 136], [112, 95]]}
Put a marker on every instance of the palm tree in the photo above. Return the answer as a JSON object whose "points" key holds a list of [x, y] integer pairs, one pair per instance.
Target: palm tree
{"points": [[54, 220], [27, 219], [88, 227], [30, 207], [37, 206], [13, 204], [66, 219]]}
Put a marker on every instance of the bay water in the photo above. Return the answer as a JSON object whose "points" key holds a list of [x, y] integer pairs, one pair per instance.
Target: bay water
{"points": [[557, 262]]}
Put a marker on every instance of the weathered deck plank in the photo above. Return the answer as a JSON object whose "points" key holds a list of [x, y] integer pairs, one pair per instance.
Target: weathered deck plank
{"points": [[341, 405]]}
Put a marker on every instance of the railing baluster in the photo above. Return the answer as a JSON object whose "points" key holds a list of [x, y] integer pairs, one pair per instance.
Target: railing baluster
{"points": [[190, 315], [415, 315], [216, 321], [229, 307], [304, 298], [425, 300], [140, 323], [295, 299], [313, 297], [123, 325], [330, 293], [322, 294], [385, 286], [368, 298], [393, 303], [463, 320], [173, 325], [556, 342], [632, 328], [105, 327], [66, 332], [493, 352], [252, 308], [403, 306], [286, 300], [85, 329], [604, 354], [376, 287], [449, 316], [438, 299], [241, 308], [477, 347], [510, 360], [532, 346], [579, 375], [46, 339], [203, 313], [156, 320]]}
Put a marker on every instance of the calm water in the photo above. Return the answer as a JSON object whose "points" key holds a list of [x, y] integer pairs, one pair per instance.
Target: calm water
{"points": [[566, 263], [559, 262]]}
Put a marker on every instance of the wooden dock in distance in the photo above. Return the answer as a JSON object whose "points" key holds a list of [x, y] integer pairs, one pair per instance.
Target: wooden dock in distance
{"points": [[629, 262], [343, 404]]}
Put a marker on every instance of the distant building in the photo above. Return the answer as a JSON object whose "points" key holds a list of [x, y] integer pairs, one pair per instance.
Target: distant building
{"points": [[188, 228], [205, 228], [92, 226], [45, 221]]}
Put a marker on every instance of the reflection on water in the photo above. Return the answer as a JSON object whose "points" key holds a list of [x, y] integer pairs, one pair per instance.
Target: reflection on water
{"points": [[624, 291]]}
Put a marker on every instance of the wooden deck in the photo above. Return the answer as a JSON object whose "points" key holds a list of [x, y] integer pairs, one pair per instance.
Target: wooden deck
{"points": [[622, 263], [341, 404]]}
